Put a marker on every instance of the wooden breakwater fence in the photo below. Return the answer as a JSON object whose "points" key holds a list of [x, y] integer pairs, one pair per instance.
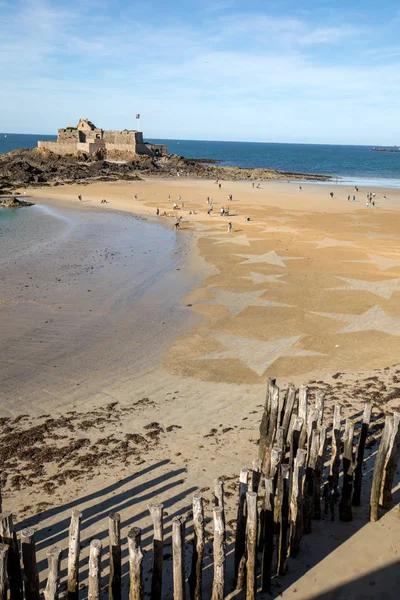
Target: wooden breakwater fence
{"points": [[292, 482]]}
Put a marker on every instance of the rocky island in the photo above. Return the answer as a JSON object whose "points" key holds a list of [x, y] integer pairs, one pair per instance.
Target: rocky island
{"points": [[14, 202], [42, 167]]}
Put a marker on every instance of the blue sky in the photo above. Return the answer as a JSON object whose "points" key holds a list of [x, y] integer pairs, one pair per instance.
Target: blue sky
{"points": [[283, 71]]}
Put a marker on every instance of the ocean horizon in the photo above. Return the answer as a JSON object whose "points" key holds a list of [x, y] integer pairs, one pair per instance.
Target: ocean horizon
{"points": [[346, 164]]}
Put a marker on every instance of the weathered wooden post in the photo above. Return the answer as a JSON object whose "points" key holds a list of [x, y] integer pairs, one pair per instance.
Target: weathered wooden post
{"points": [[114, 534], [8, 537], [280, 438], [392, 459], [157, 514], [251, 545], [336, 446], [303, 414], [312, 424], [178, 558], [53, 577], [296, 502], [319, 467], [283, 520], [265, 418], [94, 570], [219, 496], [276, 459], [290, 400], [309, 481], [294, 446], [135, 564], [268, 537], [240, 538], [73, 555], [345, 512], [31, 575], [196, 575], [379, 467], [320, 405], [272, 426], [360, 454], [219, 555], [3, 572]]}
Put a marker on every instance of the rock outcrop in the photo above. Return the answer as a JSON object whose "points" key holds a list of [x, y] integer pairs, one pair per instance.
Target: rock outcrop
{"points": [[22, 168]]}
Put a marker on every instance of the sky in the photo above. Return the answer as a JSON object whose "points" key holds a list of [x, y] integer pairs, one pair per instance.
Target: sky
{"points": [[283, 71]]}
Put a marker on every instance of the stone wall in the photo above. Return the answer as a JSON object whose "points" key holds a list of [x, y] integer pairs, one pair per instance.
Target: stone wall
{"points": [[123, 137], [121, 147], [68, 135], [58, 147]]}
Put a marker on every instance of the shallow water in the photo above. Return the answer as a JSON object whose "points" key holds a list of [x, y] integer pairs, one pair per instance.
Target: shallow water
{"points": [[86, 300]]}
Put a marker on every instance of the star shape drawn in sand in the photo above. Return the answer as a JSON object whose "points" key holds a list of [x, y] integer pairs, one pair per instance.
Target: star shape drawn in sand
{"points": [[383, 288], [375, 236], [381, 262], [258, 355], [374, 319], [241, 240], [272, 258], [257, 278], [331, 243], [235, 302]]}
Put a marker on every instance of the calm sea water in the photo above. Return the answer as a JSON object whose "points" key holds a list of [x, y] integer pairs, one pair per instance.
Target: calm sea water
{"points": [[351, 164]]}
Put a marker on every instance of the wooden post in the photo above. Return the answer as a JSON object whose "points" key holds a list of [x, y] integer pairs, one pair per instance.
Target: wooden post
{"points": [[336, 446], [268, 537], [157, 514], [303, 414], [296, 502], [219, 496], [256, 474], [8, 537], [283, 520], [31, 576], [309, 483], [280, 438], [73, 555], [178, 558], [276, 459], [294, 446], [345, 512], [240, 538], [392, 459], [53, 577], [265, 418], [290, 400], [3, 572], [320, 405], [219, 555], [135, 564], [94, 570], [312, 425], [251, 545], [272, 426], [379, 467], [114, 533], [360, 454], [196, 575], [318, 470]]}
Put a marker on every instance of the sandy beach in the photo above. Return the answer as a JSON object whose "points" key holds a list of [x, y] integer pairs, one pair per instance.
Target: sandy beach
{"points": [[159, 390]]}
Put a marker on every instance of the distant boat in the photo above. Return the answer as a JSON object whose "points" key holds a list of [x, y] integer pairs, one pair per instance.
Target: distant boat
{"points": [[5, 136]]}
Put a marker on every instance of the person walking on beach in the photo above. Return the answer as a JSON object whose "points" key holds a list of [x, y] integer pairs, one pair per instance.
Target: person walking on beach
{"points": [[80, 198], [222, 211], [348, 198], [157, 212], [229, 227], [367, 203], [373, 204], [177, 224], [252, 185], [354, 198]]}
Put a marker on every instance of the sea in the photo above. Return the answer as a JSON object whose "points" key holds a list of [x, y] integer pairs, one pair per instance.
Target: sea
{"points": [[355, 165]]}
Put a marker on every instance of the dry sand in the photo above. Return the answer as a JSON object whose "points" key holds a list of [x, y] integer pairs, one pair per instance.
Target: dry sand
{"points": [[306, 289]]}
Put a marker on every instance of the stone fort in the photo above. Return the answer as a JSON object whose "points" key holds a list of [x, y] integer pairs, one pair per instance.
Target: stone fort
{"points": [[86, 137]]}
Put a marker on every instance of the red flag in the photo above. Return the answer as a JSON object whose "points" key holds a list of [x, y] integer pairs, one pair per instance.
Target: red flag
{"points": [[138, 115]]}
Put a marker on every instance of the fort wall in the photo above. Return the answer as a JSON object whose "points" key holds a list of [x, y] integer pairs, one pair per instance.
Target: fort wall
{"points": [[58, 147]]}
